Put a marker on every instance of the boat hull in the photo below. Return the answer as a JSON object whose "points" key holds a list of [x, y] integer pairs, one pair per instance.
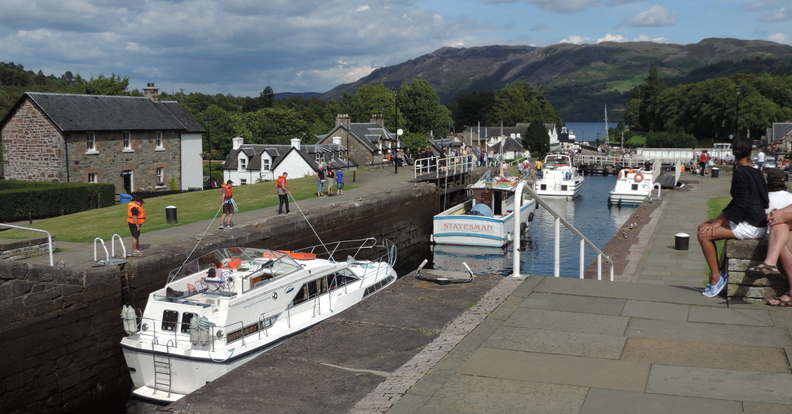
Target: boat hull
{"points": [[469, 230], [632, 188]]}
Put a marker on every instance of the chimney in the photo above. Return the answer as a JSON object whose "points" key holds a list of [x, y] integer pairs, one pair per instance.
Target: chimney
{"points": [[237, 142], [378, 119], [295, 142], [342, 119], [151, 92]]}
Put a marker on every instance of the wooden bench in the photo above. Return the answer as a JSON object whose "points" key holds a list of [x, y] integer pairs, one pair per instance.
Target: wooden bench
{"points": [[739, 255]]}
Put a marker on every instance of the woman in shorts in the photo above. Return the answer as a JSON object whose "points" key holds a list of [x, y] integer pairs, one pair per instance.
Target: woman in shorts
{"points": [[743, 218]]}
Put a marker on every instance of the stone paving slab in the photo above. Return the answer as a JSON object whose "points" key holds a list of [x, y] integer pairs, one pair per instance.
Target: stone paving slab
{"points": [[570, 303], [557, 369], [721, 384], [697, 354], [600, 401], [567, 321], [557, 342], [656, 310], [708, 333]]}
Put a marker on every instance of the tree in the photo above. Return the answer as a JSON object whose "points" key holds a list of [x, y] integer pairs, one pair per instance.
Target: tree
{"points": [[475, 108], [423, 112], [101, 85], [267, 97], [537, 140]]}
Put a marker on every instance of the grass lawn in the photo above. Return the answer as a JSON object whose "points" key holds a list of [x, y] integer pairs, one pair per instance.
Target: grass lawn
{"points": [[191, 207]]}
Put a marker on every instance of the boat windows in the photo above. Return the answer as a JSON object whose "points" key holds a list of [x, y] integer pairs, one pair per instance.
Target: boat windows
{"points": [[377, 286], [185, 323], [261, 325], [169, 320], [324, 284]]}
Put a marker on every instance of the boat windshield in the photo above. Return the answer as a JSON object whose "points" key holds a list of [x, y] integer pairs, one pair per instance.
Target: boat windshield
{"points": [[236, 257]]}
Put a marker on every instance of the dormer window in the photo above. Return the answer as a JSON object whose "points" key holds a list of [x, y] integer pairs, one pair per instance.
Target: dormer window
{"points": [[243, 162]]}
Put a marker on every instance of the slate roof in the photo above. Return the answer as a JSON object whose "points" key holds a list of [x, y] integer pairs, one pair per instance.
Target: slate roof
{"points": [[509, 144], [71, 112]]}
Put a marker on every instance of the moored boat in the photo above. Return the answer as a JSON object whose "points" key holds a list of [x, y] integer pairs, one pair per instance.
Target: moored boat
{"points": [[197, 328], [632, 187], [487, 217], [559, 177]]}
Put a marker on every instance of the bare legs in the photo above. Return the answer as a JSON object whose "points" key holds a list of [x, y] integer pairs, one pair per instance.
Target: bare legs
{"points": [[708, 233]]}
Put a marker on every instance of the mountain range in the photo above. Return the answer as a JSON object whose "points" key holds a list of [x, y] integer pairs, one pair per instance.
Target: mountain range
{"points": [[580, 79]]}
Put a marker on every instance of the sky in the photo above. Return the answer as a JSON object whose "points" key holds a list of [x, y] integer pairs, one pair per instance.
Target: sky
{"points": [[239, 47]]}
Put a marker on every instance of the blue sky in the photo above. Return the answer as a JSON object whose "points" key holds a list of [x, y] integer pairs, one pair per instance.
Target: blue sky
{"points": [[239, 47]]}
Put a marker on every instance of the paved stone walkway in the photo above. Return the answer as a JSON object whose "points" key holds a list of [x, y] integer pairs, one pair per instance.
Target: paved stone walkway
{"points": [[650, 343]]}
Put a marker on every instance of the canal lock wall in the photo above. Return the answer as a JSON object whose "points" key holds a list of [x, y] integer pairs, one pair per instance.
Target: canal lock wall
{"points": [[62, 326]]}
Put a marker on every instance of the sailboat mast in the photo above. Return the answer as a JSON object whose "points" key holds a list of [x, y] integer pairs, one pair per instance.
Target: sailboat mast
{"points": [[607, 138]]}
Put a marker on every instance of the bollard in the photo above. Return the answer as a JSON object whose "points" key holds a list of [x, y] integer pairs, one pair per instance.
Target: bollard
{"points": [[170, 215], [714, 172], [681, 241]]}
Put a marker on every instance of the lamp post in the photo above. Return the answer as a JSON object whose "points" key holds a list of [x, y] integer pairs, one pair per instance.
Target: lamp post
{"points": [[737, 112], [209, 144]]}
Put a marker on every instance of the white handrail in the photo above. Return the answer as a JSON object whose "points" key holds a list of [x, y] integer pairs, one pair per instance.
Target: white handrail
{"points": [[49, 238], [557, 242]]}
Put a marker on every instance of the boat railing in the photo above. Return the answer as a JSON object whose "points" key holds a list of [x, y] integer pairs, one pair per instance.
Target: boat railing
{"points": [[584, 241], [443, 166]]}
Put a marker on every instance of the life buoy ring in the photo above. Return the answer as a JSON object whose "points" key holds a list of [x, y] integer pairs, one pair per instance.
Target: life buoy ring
{"points": [[638, 178]]}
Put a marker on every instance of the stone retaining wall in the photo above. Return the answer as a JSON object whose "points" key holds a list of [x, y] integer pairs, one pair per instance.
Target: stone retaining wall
{"points": [[24, 248], [61, 327], [739, 255]]}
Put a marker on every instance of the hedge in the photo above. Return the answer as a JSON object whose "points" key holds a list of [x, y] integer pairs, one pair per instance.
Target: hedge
{"points": [[23, 200]]}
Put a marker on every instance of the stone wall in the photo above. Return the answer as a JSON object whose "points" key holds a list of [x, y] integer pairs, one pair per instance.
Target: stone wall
{"points": [[61, 327], [31, 139], [739, 255]]}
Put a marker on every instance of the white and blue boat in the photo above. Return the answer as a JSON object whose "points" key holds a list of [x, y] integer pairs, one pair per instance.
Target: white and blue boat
{"points": [[487, 217]]}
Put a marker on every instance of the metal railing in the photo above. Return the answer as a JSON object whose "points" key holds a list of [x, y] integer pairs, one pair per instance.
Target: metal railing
{"points": [[557, 238], [441, 167], [49, 238]]}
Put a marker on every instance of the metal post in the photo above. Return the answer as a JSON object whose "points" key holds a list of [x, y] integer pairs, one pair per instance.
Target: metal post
{"points": [[209, 143]]}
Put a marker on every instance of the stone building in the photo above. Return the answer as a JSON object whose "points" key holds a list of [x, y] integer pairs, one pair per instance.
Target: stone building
{"points": [[367, 142], [136, 143]]}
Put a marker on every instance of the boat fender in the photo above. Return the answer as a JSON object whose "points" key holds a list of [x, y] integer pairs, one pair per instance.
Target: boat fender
{"points": [[131, 320], [194, 330], [620, 175], [530, 216], [125, 320], [523, 227], [204, 325], [638, 177]]}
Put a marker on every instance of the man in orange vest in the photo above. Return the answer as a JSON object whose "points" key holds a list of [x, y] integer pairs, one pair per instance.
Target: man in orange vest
{"points": [[283, 193], [228, 205], [136, 216]]}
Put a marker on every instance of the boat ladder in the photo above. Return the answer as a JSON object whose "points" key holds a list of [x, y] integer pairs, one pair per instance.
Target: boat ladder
{"points": [[109, 259], [162, 369]]}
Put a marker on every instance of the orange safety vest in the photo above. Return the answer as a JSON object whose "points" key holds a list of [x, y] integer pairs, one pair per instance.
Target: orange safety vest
{"points": [[141, 213], [229, 192], [281, 181]]}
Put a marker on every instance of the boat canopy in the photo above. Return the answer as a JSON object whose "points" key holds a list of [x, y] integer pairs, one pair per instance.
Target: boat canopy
{"points": [[481, 210]]}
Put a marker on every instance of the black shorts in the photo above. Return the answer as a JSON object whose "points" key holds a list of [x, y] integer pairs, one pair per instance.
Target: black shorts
{"points": [[134, 230], [228, 208]]}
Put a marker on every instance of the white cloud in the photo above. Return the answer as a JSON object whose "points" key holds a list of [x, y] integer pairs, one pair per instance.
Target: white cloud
{"points": [[576, 40], [782, 14], [655, 16], [781, 38]]}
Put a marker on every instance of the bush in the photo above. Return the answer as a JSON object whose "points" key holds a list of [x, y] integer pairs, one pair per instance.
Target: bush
{"points": [[23, 200]]}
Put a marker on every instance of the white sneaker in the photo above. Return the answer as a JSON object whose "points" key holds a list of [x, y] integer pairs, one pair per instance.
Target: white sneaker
{"points": [[713, 290]]}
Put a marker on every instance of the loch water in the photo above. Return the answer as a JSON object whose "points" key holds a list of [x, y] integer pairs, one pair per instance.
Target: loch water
{"points": [[589, 213]]}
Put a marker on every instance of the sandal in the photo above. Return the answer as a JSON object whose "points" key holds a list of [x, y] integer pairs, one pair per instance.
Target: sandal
{"points": [[781, 303], [762, 270]]}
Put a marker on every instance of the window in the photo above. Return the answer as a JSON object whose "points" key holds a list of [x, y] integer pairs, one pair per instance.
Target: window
{"points": [[127, 141], [186, 318], [90, 142], [265, 164], [160, 176], [243, 163], [92, 178], [169, 320], [159, 139]]}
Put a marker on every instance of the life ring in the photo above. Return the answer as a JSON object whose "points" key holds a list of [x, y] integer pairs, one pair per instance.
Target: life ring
{"points": [[638, 178]]}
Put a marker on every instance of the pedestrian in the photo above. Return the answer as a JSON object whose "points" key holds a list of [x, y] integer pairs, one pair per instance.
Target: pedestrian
{"points": [[136, 216], [760, 159], [339, 175], [227, 204], [283, 193], [320, 177], [703, 160], [329, 180], [743, 218]]}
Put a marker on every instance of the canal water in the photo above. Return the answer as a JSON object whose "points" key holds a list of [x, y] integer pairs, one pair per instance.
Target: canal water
{"points": [[589, 213]]}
